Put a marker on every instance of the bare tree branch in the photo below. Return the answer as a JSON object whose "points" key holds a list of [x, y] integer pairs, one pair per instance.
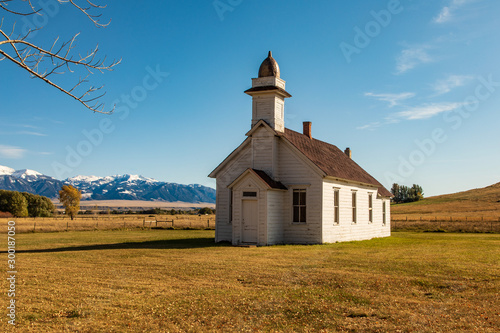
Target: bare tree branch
{"points": [[45, 63]]}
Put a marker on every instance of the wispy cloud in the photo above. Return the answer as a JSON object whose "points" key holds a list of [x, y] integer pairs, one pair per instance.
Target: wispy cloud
{"points": [[447, 12], [370, 126], [11, 152], [31, 133], [412, 57], [453, 81], [426, 111], [28, 126], [392, 99]]}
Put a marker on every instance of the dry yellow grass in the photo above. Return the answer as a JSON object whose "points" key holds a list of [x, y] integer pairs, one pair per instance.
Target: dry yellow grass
{"points": [[180, 281], [107, 222], [473, 205]]}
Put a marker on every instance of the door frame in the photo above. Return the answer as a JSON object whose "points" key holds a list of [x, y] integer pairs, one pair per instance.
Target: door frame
{"points": [[242, 226]]}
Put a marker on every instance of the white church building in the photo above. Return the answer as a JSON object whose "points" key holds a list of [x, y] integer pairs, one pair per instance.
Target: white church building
{"points": [[284, 187]]}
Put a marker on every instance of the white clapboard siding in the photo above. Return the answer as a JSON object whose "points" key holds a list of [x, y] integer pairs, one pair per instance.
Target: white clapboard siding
{"points": [[346, 230], [231, 171], [262, 150], [275, 217], [295, 173]]}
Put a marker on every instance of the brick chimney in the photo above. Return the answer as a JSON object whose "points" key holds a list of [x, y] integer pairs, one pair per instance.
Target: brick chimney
{"points": [[348, 152], [307, 129]]}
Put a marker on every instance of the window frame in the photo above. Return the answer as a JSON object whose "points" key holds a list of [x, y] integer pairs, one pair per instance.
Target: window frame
{"points": [[370, 207], [300, 206], [384, 212], [354, 205], [336, 206], [230, 206]]}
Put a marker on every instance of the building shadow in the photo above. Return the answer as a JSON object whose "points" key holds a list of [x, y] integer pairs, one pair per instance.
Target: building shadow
{"points": [[188, 243]]}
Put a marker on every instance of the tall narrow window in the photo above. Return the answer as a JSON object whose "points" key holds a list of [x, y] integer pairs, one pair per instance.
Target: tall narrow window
{"points": [[354, 210], [299, 205], [383, 213], [336, 206], [370, 207], [230, 206]]}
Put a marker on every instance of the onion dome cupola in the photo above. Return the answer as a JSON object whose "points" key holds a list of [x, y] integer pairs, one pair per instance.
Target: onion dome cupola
{"points": [[269, 67]]}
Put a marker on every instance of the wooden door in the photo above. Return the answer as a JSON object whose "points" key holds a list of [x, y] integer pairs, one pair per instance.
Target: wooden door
{"points": [[249, 222]]}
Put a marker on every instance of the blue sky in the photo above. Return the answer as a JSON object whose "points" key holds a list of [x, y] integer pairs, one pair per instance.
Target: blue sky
{"points": [[412, 87]]}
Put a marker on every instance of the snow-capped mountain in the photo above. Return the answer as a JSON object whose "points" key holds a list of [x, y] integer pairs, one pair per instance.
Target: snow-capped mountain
{"points": [[117, 187], [29, 181], [6, 170], [27, 174]]}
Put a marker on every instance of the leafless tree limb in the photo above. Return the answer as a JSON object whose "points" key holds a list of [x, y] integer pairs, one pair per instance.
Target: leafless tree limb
{"points": [[45, 63]]}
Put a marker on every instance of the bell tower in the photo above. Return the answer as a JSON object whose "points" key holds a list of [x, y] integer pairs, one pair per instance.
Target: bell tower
{"points": [[268, 95]]}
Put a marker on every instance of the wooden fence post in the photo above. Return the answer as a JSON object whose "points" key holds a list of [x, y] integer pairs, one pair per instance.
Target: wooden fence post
{"points": [[34, 226]]}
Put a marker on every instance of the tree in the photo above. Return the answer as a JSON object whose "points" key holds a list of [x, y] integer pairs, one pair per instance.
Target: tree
{"points": [[417, 193], [45, 63], [205, 210], [39, 206], [14, 203], [70, 199], [404, 193]]}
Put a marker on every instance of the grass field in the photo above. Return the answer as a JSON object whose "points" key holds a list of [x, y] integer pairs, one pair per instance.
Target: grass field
{"points": [[107, 222], [180, 281], [474, 205]]}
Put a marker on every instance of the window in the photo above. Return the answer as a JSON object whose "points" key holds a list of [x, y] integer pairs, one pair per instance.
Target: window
{"points": [[230, 206], [250, 194], [383, 213], [370, 207], [354, 215], [336, 206], [299, 205]]}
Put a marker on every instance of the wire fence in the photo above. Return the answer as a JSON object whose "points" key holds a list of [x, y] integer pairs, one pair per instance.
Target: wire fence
{"points": [[110, 222], [85, 223]]}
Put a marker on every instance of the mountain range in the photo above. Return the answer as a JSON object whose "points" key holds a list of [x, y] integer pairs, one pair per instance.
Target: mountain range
{"points": [[118, 187]]}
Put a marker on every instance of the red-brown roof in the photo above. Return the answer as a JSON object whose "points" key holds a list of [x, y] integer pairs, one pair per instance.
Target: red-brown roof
{"points": [[332, 161]]}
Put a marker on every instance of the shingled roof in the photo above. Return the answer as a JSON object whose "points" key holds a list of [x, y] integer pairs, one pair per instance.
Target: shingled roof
{"points": [[331, 160], [268, 180]]}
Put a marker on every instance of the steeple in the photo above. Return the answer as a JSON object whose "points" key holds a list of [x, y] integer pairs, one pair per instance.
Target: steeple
{"points": [[268, 95]]}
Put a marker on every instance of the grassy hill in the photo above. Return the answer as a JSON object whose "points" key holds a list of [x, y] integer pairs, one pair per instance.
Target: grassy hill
{"points": [[476, 204]]}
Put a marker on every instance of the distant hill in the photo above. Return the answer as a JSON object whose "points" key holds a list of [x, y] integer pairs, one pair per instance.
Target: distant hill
{"points": [[476, 203], [118, 187], [486, 194]]}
